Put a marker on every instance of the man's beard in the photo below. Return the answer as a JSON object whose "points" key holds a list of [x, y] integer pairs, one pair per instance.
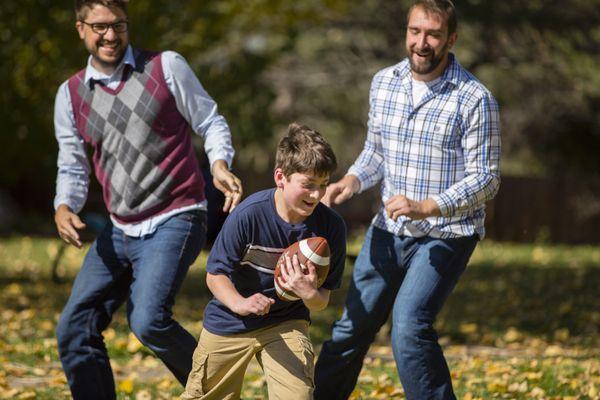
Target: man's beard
{"points": [[431, 64]]}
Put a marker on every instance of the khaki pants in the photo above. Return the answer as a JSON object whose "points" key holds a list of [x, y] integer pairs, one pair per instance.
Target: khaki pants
{"points": [[284, 352]]}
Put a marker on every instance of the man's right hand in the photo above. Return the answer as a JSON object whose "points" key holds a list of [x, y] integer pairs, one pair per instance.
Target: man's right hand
{"points": [[342, 190], [228, 183], [67, 224]]}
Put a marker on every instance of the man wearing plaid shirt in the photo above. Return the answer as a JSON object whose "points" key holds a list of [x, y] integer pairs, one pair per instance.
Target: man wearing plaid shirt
{"points": [[434, 143]]}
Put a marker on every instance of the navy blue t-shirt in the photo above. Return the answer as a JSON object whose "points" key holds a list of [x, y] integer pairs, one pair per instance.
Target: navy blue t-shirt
{"points": [[247, 249]]}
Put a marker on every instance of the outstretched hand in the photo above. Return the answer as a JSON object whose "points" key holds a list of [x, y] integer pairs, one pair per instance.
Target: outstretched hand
{"points": [[340, 191], [229, 184], [67, 224]]}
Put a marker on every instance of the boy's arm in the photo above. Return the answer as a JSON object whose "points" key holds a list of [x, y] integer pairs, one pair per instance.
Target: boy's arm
{"points": [[319, 301], [224, 291]]}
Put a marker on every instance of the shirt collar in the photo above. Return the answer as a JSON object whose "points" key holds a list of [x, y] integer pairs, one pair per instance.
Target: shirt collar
{"points": [[93, 73], [452, 73]]}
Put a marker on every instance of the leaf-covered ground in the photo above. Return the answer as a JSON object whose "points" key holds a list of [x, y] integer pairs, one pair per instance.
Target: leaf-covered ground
{"points": [[522, 324]]}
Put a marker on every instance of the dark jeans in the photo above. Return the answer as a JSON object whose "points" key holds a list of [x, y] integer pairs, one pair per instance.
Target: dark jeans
{"points": [[148, 271], [412, 278]]}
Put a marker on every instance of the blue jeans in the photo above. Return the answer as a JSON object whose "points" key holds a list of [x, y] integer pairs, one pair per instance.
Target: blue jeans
{"points": [[148, 271], [412, 278]]}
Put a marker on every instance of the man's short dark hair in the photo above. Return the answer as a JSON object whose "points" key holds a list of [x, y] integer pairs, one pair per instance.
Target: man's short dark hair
{"points": [[82, 6], [304, 150], [443, 8]]}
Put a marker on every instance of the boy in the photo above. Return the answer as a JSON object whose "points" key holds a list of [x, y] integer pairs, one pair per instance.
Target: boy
{"points": [[245, 318]]}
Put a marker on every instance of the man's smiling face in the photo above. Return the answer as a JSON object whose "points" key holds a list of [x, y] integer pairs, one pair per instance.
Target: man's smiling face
{"points": [[106, 49], [427, 43]]}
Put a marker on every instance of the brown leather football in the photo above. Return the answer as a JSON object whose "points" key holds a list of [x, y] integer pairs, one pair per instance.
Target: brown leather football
{"points": [[315, 249]]}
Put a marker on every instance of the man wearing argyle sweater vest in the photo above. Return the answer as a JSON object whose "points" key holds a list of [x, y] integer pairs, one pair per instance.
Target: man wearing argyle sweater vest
{"points": [[135, 110]]}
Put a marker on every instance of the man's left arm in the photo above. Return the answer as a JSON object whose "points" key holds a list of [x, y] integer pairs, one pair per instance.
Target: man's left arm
{"points": [[481, 151], [200, 110]]}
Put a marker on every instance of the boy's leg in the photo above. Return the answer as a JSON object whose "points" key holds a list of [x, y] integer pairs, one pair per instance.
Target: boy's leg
{"points": [[218, 367], [287, 359], [433, 271], [375, 281], [100, 288], [160, 263]]}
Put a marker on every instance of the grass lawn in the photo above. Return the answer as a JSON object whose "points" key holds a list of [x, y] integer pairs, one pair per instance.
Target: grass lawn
{"points": [[522, 323]]}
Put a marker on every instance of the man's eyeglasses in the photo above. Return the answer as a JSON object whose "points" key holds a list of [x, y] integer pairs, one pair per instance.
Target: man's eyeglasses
{"points": [[101, 28]]}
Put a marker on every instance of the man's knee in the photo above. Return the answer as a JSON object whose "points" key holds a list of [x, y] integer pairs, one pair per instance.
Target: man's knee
{"points": [[68, 330], [147, 327], [63, 333], [408, 331]]}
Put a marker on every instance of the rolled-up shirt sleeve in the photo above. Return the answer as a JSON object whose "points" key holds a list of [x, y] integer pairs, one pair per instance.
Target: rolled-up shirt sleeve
{"points": [[198, 108], [72, 179], [481, 152]]}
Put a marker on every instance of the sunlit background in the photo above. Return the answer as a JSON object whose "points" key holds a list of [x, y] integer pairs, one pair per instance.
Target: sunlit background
{"points": [[523, 322]]}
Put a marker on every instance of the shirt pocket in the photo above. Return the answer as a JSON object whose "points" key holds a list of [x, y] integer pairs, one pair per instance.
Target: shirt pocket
{"points": [[438, 129]]}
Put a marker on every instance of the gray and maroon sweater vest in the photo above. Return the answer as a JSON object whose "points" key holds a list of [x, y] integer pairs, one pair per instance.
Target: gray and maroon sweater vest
{"points": [[142, 150]]}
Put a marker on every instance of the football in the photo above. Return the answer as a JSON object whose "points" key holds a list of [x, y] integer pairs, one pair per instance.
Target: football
{"points": [[315, 249]]}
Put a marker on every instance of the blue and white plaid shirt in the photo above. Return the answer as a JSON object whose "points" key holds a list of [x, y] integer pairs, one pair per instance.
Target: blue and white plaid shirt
{"points": [[446, 147]]}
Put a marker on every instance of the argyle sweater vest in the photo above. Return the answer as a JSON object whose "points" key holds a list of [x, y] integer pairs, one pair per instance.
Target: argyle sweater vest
{"points": [[142, 150]]}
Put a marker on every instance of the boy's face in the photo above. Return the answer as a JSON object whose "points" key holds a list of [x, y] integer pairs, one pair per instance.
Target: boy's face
{"points": [[300, 194]]}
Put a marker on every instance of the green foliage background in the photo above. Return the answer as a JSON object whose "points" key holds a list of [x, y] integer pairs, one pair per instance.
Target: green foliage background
{"points": [[268, 62]]}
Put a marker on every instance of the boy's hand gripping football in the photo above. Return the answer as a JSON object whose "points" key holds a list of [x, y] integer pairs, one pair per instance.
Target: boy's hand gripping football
{"points": [[302, 280]]}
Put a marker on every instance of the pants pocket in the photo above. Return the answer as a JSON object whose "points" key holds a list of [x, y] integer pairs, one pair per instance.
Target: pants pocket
{"points": [[195, 387], [308, 359], [299, 356]]}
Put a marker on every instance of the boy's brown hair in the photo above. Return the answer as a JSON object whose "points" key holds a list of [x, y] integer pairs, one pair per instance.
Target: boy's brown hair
{"points": [[83, 6], [304, 150]]}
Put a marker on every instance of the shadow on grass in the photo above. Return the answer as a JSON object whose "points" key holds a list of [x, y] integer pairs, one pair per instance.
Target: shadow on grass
{"points": [[489, 299], [537, 301]]}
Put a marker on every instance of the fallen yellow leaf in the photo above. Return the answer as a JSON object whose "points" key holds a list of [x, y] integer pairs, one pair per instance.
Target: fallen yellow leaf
{"points": [[126, 386], [109, 334], [512, 335], [468, 328], [561, 334], [14, 289], [133, 344], [553, 350], [537, 392], [165, 384], [497, 387], [143, 395], [518, 387], [534, 376]]}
